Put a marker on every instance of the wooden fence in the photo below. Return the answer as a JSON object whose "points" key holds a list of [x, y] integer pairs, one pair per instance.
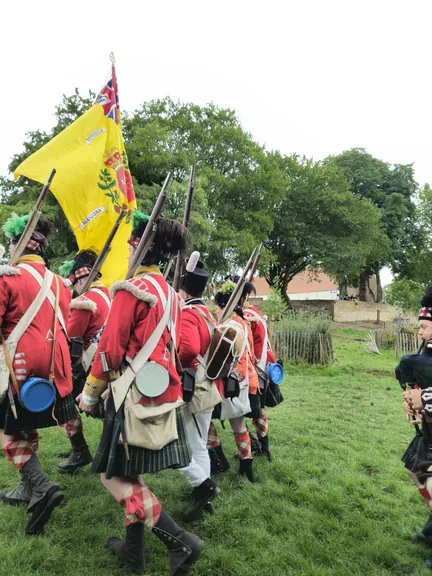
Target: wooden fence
{"points": [[406, 343], [310, 347]]}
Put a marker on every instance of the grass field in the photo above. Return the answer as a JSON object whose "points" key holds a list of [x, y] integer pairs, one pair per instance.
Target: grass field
{"points": [[336, 499]]}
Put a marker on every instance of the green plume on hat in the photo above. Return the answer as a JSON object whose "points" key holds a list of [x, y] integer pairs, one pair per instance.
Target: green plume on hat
{"points": [[66, 268], [137, 219], [14, 226], [227, 287]]}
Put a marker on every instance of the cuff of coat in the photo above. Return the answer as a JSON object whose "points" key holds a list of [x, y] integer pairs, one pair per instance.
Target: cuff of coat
{"points": [[94, 387], [426, 398]]}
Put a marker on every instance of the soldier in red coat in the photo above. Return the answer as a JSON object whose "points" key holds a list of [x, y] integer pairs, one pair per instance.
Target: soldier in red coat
{"points": [[88, 314], [263, 355], [145, 433], [197, 327], [33, 306]]}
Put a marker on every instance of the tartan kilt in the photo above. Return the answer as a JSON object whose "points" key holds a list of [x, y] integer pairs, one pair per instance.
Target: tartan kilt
{"points": [[111, 457], [79, 377], [255, 404], [64, 410], [415, 453]]}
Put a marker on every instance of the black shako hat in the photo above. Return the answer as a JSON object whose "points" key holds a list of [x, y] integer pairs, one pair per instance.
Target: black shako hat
{"points": [[194, 283]]}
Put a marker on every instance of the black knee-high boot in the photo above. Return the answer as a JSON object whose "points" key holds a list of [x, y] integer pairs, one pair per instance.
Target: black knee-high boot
{"points": [[130, 551], [184, 548]]}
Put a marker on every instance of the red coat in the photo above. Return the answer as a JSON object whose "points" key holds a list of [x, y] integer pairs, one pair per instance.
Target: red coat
{"points": [[18, 289], [194, 336], [88, 314], [134, 315], [260, 333], [245, 366]]}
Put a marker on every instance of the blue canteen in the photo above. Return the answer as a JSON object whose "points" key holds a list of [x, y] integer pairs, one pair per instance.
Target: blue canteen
{"points": [[275, 373], [37, 394]]}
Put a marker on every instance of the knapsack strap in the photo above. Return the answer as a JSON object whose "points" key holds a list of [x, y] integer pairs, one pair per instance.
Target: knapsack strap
{"points": [[38, 277]]}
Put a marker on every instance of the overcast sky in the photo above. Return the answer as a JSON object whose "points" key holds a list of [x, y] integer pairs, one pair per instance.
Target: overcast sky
{"points": [[313, 77]]}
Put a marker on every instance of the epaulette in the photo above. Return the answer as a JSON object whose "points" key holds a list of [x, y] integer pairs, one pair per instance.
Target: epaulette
{"points": [[6, 270], [133, 286], [83, 303]]}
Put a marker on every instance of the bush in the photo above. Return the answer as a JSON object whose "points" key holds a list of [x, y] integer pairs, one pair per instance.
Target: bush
{"points": [[303, 321]]}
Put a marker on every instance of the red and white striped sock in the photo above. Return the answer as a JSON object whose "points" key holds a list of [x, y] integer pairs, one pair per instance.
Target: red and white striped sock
{"points": [[73, 426], [140, 505], [18, 451], [213, 438], [243, 445], [261, 425]]}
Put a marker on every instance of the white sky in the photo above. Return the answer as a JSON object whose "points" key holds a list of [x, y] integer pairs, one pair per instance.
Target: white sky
{"points": [[313, 77]]}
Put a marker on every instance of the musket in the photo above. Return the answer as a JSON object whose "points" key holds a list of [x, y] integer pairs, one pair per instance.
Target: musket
{"points": [[238, 290], [255, 263], [103, 253], [32, 221], [168, 268], [150, 230], [186, 218]]}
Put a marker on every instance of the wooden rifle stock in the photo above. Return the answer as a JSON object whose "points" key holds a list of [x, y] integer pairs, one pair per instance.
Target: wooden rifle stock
{"points": [[32, 221], [103, 254], [186, 218], [150, 230], [238, 290]]}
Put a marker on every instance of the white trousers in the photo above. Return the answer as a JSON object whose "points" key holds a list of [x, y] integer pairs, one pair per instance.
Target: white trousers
{"points": [[197, 426]]}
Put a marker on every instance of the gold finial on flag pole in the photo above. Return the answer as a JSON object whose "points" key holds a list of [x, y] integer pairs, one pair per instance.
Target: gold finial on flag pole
{"points": [[112, 58]]}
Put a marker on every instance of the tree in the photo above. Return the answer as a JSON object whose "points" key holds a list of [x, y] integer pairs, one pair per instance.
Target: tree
{"points": [[236, 187], [392, 190], [318, 223], [405, 294]]}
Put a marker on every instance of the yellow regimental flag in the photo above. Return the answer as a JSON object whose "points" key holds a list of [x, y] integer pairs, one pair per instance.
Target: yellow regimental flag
{"points": [[93, 182]]}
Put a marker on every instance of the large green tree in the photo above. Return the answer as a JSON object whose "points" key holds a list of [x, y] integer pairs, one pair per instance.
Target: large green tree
{"points": [[318, 223], [392, 189]]}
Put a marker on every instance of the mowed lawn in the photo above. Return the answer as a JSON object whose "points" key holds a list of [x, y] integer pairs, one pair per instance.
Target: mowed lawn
{"points": [[336, 499]]}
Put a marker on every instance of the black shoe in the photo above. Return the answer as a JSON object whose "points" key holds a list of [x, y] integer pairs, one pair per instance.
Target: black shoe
{"points": [[78, 458], [218, 460], [208, 508], [184, 548], [42, 511], [265, 448], [131, 550], [420, 538], [201, 496], [64, 455], [246, 469]]}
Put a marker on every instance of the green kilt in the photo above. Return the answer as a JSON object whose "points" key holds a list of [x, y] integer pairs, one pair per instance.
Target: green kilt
{"points": [[111, 457]]}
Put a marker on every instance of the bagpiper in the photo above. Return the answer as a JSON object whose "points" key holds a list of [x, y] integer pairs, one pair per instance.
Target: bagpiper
{"points": [[144, 433], [197, 327], [416, 371], [35, 366], [88, 314], [236, 409]]}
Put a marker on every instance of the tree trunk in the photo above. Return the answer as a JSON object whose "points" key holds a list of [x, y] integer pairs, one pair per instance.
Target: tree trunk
{"points": [[343, 289], [364, 290], [379, 295], [283, 287]]}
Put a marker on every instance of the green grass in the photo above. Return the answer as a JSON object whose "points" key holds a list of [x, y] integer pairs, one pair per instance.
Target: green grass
{"points": [[336, 499]]}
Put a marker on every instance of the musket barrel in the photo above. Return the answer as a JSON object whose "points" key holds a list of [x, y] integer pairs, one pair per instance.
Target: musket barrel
{"points": [[32, 221], [150, 230], [103, 253]]}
